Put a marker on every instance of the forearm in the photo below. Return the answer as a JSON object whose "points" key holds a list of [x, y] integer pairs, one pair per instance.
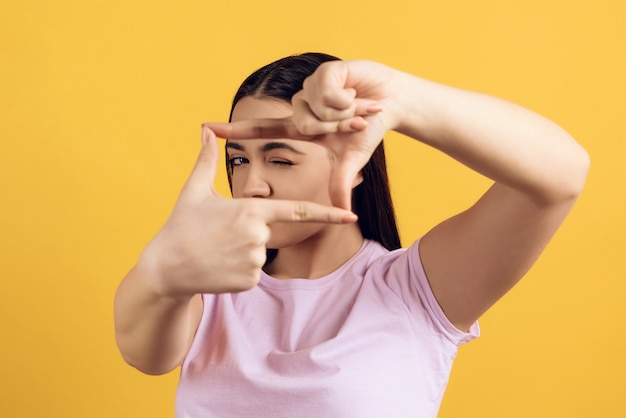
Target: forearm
{"points": [[501, 140], [153, 331]]}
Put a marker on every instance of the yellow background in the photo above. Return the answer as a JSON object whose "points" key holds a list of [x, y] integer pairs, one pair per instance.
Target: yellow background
{"points": [[100, 111]]}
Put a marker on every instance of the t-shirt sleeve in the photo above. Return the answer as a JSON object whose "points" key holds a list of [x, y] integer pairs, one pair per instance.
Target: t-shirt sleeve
{"points": [[406, 277]]}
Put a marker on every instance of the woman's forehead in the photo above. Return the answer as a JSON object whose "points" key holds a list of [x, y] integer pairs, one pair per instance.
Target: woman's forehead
{"points": [[266, 145], [261, 108]]}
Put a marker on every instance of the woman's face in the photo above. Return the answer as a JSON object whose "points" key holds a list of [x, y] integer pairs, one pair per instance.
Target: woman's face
{"points": [[283, 169]]}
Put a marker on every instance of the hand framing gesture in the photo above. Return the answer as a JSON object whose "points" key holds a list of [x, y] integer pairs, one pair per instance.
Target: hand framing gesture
{"points": [[343, 106], [211, 244]]}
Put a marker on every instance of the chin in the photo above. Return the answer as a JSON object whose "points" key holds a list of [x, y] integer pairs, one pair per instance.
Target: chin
{"points": [[277, 244], [287, 237]]}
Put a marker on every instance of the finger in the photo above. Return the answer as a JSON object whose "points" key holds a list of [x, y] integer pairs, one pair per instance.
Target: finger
{"points": [[302, 211], [309, 125], [366, 107], [336, 98], [327, 87], [257, 129], [352, 125], [343, 175], [203, 174], [303, 111], [323, 108], [360, 107], [258, 254]]}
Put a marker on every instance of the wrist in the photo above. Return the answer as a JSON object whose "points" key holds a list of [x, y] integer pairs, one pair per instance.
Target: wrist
{"points": [[410, 105], [158, 272]]}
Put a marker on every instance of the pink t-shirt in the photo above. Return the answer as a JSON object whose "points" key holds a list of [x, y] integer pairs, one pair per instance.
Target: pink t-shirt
{"points": [[368, 340]]}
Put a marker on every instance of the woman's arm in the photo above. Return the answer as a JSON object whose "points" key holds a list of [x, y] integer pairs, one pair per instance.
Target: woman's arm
{"points": [[475, 257], [472, 259], [208, 245], [153, 331]]}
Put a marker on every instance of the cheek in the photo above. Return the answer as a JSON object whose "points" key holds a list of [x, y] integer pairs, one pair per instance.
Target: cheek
{"points": [[309, 185], [236, 185], [313, 187], [310, 192]]}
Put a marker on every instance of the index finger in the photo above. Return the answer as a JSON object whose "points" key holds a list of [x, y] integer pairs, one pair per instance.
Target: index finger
{"points": [[302, 211], [257, 129]]}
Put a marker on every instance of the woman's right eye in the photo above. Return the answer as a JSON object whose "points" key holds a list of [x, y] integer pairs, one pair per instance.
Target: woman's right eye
{"points": [[235, 161]]}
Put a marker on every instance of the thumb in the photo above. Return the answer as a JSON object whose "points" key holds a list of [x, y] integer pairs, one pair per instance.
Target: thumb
{"points": [[203, 174], [341, 183]]}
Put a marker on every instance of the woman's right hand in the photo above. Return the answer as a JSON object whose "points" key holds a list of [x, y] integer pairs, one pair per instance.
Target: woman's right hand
{"points": [[210, 244]]}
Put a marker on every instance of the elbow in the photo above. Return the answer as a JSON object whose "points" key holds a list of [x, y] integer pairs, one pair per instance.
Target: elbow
{"points": [[146, 366], [576, 177], [142, 359], [567, 176], [153, 370], [564, 181]]}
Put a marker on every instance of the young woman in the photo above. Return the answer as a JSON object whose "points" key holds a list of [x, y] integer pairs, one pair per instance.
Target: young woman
{"points": [[276, 304]]}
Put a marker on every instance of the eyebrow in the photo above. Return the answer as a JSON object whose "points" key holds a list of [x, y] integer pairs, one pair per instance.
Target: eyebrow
{"points": [[266, 147]]}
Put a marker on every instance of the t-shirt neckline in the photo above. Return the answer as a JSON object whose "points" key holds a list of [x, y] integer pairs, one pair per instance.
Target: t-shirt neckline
{"points": [[296, 282]]}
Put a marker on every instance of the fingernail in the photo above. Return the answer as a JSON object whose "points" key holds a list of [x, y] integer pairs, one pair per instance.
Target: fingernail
{"points": [[374, 108], [203, 135], [358, 124], [350, 218]]}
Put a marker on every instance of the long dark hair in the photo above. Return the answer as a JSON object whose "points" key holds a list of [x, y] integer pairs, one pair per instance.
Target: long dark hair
{"points": [[371, 200]]}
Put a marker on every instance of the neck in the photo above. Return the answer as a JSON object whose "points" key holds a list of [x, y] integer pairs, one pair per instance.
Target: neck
{"points": [[318, 255]]}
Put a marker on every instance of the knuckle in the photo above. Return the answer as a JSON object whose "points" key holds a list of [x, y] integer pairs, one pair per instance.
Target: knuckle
{"points": [[258, 132], [254, 236], [260, 234], [327, 114], [345, 125], [300, 212], [328, 98], [247, 280], [249, 210], [307, 126], [258, 258], [249, 268], [324, 67], [306, 84]]}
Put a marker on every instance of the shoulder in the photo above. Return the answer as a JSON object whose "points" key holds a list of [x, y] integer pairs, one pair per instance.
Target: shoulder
{"points": [[380, 259], [402, 273], [372, 258]]}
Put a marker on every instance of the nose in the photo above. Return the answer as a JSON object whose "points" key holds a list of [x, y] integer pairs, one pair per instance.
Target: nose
{"points": [[255, 184]]}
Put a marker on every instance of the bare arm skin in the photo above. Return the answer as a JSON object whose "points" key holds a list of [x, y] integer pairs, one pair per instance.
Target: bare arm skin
{"points": [[208, 245], [153, 331], [475, 257]]}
